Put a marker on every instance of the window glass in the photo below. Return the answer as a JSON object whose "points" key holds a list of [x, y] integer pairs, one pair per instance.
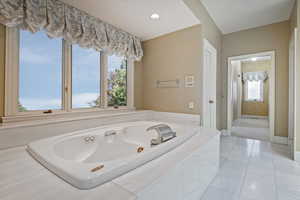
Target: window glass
{"points": [[117, 81], [40, 72], [85, 77], [254, 91]]}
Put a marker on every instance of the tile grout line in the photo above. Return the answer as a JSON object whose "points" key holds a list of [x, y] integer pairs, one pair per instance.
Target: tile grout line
{"points": [[274, 174], [245, 174], [207, 188], [125, 189]]}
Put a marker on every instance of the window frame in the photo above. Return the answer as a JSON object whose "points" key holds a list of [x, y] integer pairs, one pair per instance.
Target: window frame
{"points": [[12, 81], [261, 91], [70, 87], [109, 106]]}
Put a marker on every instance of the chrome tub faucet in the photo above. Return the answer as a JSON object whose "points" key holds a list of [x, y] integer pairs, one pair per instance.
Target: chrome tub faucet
{"points": [[164, 133]]}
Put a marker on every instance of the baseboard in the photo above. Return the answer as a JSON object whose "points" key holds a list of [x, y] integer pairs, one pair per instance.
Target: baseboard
{"points": [[254, 117], [297, 156], [279, 140]]}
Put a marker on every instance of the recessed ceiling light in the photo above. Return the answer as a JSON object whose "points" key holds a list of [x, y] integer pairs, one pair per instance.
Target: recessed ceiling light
{"points": [[254, 59], [154, 16]]}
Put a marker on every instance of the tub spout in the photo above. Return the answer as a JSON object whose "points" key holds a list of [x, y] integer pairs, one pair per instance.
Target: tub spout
{"points": [[164, 133]]}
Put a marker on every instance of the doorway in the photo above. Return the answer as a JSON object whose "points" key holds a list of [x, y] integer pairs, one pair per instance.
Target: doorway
{"points": [[251, 96], [292, 78], [209, 85]]}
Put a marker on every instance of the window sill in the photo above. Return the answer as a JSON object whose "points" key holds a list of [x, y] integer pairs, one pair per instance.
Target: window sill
{"points": [[33, 120]]}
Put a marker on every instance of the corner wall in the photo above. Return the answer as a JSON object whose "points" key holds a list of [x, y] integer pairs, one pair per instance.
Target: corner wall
{"points": [[296, 21], [267, 38]]}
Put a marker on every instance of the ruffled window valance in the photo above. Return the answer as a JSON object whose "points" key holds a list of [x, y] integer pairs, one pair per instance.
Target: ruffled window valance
{"points": [[255, 76], [58, 19]]}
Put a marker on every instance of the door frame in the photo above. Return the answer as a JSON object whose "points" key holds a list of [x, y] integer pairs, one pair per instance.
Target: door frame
{"points": [[292, 93], [208, 45], [272, 90]]}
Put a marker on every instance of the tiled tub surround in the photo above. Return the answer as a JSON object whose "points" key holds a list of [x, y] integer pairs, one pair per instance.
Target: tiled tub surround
{"points": [[21, 133], [182, 173], [89, 158]]}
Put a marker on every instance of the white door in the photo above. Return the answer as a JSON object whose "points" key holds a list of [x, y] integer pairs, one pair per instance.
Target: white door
{"points": [[292, 64], [209, 85]]}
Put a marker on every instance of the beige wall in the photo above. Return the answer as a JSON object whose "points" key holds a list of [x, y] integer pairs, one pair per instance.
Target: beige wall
{"points": [[2, 63], [171, 57], [267, 38], [256, 108], [176, 55]]}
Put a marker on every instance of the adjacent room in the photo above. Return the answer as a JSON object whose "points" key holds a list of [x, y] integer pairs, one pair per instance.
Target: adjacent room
{"points": [[149, 100], [250, 82]]}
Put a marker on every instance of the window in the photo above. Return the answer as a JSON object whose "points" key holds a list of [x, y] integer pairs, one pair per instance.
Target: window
{"points": [[40, 72], [117, 81], [85, 78], [47, 76], [254, 91]]}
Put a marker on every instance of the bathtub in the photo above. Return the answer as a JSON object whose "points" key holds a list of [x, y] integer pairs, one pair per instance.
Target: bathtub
{"points": [[89, 158]]}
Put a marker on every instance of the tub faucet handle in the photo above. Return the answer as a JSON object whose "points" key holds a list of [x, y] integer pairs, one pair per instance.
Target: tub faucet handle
{"points": [[110, 132]]}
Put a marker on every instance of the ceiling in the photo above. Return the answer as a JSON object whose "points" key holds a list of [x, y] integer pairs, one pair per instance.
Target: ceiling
{"points": [[133, 16], [235, 15]]}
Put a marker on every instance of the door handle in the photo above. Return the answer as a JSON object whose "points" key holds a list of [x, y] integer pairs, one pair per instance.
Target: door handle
{"points": [[211, 101]]}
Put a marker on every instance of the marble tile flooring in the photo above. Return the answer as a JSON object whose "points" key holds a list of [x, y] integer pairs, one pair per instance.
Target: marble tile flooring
{"points": [[251, 128], [254, 170]]}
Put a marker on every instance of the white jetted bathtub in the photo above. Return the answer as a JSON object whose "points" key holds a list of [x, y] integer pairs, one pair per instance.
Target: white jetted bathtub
{"points": [[92, 157]]}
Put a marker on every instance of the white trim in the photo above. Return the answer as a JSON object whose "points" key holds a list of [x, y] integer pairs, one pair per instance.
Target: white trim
{"points": [[206, 96], [130, 83], [272, 78], [240, 91], [103, 75], [297, 156], [67, 76], [279, 140], [292, 92]]}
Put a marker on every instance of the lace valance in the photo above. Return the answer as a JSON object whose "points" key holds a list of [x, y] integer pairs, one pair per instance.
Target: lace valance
{"points": [[58, 19], [255, 76]]}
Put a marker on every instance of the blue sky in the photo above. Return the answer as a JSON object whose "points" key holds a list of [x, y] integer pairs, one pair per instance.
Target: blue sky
{"points": [[40, 79]]}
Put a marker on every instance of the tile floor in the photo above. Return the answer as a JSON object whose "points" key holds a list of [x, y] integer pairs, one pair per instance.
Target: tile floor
{"points": [[251, 128], [254, 170]]}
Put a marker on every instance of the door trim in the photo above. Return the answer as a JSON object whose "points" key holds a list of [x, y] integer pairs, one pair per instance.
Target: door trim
{"points": [[207, 45], [271, 91], [292, 93]]}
